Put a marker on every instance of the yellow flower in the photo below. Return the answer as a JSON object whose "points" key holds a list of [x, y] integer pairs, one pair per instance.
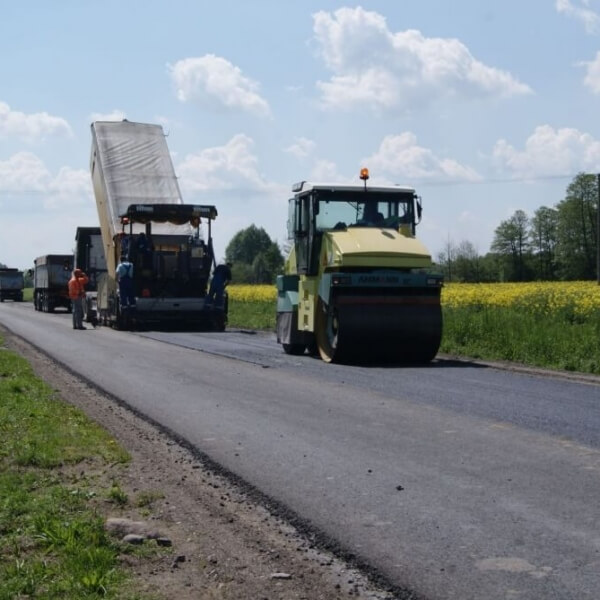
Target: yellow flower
{"points": [[252, 293], [581, 298]]}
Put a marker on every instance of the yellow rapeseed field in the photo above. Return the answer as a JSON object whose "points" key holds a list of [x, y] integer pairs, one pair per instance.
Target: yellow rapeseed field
{"points": [[581, 297], [252, 293]]}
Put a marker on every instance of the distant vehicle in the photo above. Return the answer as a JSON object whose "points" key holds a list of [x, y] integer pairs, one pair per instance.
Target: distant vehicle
{"points": [[11, 285], [89, 257], [142, 217], [51, 282]]}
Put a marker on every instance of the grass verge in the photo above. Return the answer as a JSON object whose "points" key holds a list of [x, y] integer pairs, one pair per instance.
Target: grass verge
{"points": [[54, 465], [252, 315], [562, 341]]}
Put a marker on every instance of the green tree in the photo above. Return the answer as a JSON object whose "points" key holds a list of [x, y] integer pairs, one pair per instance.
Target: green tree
{"points": [[255, 257], [467, 267], [543, 233], [511, 241], [576, 230], [445, 260]]}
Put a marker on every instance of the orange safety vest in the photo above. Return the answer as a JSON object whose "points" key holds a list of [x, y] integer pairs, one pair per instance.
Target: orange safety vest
{"points": [[77, 287]]}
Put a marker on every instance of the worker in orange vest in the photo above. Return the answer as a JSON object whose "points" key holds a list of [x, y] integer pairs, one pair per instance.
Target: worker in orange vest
{"points": [[77, 285]]}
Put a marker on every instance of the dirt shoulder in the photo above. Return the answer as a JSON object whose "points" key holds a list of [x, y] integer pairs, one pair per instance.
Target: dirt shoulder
{"points": [[226, 545]]}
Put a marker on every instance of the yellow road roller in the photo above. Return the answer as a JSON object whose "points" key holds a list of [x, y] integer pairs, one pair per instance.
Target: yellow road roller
{"points": [[357, 285]]}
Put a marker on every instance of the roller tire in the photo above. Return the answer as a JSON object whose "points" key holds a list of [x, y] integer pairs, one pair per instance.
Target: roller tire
{"points": [[327, 329], [312, 348], [294, 349]]}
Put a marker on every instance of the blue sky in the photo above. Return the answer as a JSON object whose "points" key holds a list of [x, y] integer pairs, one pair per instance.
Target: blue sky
{"points": [[483, 107]]}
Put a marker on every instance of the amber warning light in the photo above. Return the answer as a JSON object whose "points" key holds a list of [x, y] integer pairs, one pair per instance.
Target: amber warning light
{"points": [[364, 173]]}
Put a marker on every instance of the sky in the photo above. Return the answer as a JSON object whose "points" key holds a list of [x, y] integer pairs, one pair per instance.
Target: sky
{"points": [[484, 107]]}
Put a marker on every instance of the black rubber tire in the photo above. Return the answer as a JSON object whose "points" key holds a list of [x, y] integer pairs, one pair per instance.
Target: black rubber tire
{"points": [[294, 349], [219, 322], [312, 348], [326, 332]]}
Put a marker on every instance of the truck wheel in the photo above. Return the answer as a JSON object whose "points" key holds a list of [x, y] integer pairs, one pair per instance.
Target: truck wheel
{"points": [[219, 322], [119, 322]]}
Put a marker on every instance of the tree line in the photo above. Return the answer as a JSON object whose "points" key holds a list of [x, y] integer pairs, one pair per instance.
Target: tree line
{"points": [[556, 243]]}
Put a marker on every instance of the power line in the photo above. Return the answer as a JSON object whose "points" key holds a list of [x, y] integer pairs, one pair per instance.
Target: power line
{"points": [[534, 179]]}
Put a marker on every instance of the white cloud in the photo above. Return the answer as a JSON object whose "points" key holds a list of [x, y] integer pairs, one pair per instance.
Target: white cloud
{"points": [[114, 115], [229, 167], [592, 77], [383, 70], [30, 127], [25, 173], [325, 171], [33, 199], [399, 156], [214, 82], [582, 13], [301, 147], [550, 152], [70, 187]]}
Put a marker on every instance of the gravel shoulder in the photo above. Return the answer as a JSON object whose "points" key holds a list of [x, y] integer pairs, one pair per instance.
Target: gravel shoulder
{"points": [[226, 545]]}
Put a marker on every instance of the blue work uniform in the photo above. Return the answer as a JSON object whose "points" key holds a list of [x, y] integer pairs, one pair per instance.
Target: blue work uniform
{"points": [[125, 279]]}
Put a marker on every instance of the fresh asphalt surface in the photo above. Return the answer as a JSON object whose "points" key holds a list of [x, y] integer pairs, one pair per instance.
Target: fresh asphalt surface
{"points": [[453, 481]]}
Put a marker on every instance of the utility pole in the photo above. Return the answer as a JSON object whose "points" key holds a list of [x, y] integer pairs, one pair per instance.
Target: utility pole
{"points": [[598, 234]]}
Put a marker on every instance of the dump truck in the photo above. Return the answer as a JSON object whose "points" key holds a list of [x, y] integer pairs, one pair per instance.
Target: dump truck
{"points": [[11, 284], [143, 218], [357, 284], [51, 276], [89, 257]]}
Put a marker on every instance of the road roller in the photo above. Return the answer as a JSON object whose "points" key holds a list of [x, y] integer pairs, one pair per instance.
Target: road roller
{"points": [[358, 286]]}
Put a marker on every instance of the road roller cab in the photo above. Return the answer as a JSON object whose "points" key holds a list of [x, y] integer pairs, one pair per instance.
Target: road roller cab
{"points": [[358, 284]]}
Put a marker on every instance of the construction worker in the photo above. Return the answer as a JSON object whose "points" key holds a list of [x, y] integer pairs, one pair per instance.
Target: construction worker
{"points": [[77, 285], [221, 277], [125, 280]]}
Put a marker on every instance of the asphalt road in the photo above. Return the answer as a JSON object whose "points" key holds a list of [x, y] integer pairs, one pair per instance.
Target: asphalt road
{"points": [[454, 481]]}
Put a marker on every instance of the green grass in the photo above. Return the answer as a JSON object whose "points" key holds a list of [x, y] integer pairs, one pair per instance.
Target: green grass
{"points": [[28, 295], [252, 315], [52, 539], [560, 341]]}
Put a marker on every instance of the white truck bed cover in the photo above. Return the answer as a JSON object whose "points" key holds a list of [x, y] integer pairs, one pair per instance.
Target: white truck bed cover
{"points": [[131, 164]]}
